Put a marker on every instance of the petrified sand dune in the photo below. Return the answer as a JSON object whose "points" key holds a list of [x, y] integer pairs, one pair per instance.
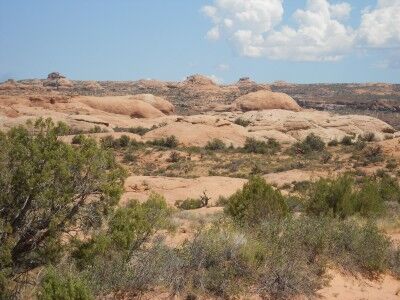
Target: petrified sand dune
{"points": [[262, 100], [140, 187], [122, 105], [161, 104]]}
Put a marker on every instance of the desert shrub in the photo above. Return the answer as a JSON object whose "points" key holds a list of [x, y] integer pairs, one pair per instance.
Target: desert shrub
{"points": [[293, 263], [359, 248], [191, 203], [394, 261], [332, 197], [63, 287], [369, 200], [312, 143], [128, 228], [391, 164], [129, 157], [359, 145], [49, 188], [372, 154], [341, 198], [215, 145], [333, 143], [168, 142], [389, 130], [326, 157], [368, 137], [215, 263], [78, 139], [143, 270], [123, 141], [96, 129], [107, 141], [242, 122], [136, 130], [347, 140], [256, 202], [174, 157], [389, 189], [254, 146]]}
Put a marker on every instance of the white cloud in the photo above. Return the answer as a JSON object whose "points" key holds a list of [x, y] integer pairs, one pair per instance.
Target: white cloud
{"points": [[213, 34], [223, 67], [380, 27], [252, 28], [256, 29]]}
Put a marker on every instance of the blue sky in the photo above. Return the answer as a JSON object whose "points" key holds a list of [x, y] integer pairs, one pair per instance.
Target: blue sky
{"points": [[166, 39]]}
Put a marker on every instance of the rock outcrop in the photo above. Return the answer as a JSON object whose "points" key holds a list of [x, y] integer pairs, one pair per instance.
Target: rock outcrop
{"points": [[263, 100]]}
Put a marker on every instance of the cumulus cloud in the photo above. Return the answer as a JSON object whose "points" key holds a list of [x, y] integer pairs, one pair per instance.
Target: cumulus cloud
{"points": [[380, 27], [320, 33]]}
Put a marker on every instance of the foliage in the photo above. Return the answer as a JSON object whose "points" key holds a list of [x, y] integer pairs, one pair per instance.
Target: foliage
{"points": [[255, 203], [190, 203], [168, 142], [215, 145], [136, 130], [254, 146], [78, 139], [312, 143], [333, 143], [55, 285], [359, 248], [347, 140], [215, 263], [242, 122], [49, 188], [340, 198], [128, 228]]}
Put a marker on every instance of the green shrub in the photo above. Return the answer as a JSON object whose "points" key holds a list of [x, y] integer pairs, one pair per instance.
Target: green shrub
{"points": [[128, 228], [215, 145], [256, 202], [168, 142], [63, 287], [254, 146], [312, 143], [394, 261], [190, 203], [48, 190], [332, 197], [341, 198], [78, 139], [242, 122]]}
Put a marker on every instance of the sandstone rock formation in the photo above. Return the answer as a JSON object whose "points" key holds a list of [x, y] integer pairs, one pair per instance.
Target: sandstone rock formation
{"points": [[264, 99]]}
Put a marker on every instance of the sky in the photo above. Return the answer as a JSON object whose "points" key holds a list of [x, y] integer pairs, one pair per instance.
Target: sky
{"points": [[304, 41]]}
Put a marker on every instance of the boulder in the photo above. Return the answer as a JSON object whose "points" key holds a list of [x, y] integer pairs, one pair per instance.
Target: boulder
{"points": [[265, 99]]}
